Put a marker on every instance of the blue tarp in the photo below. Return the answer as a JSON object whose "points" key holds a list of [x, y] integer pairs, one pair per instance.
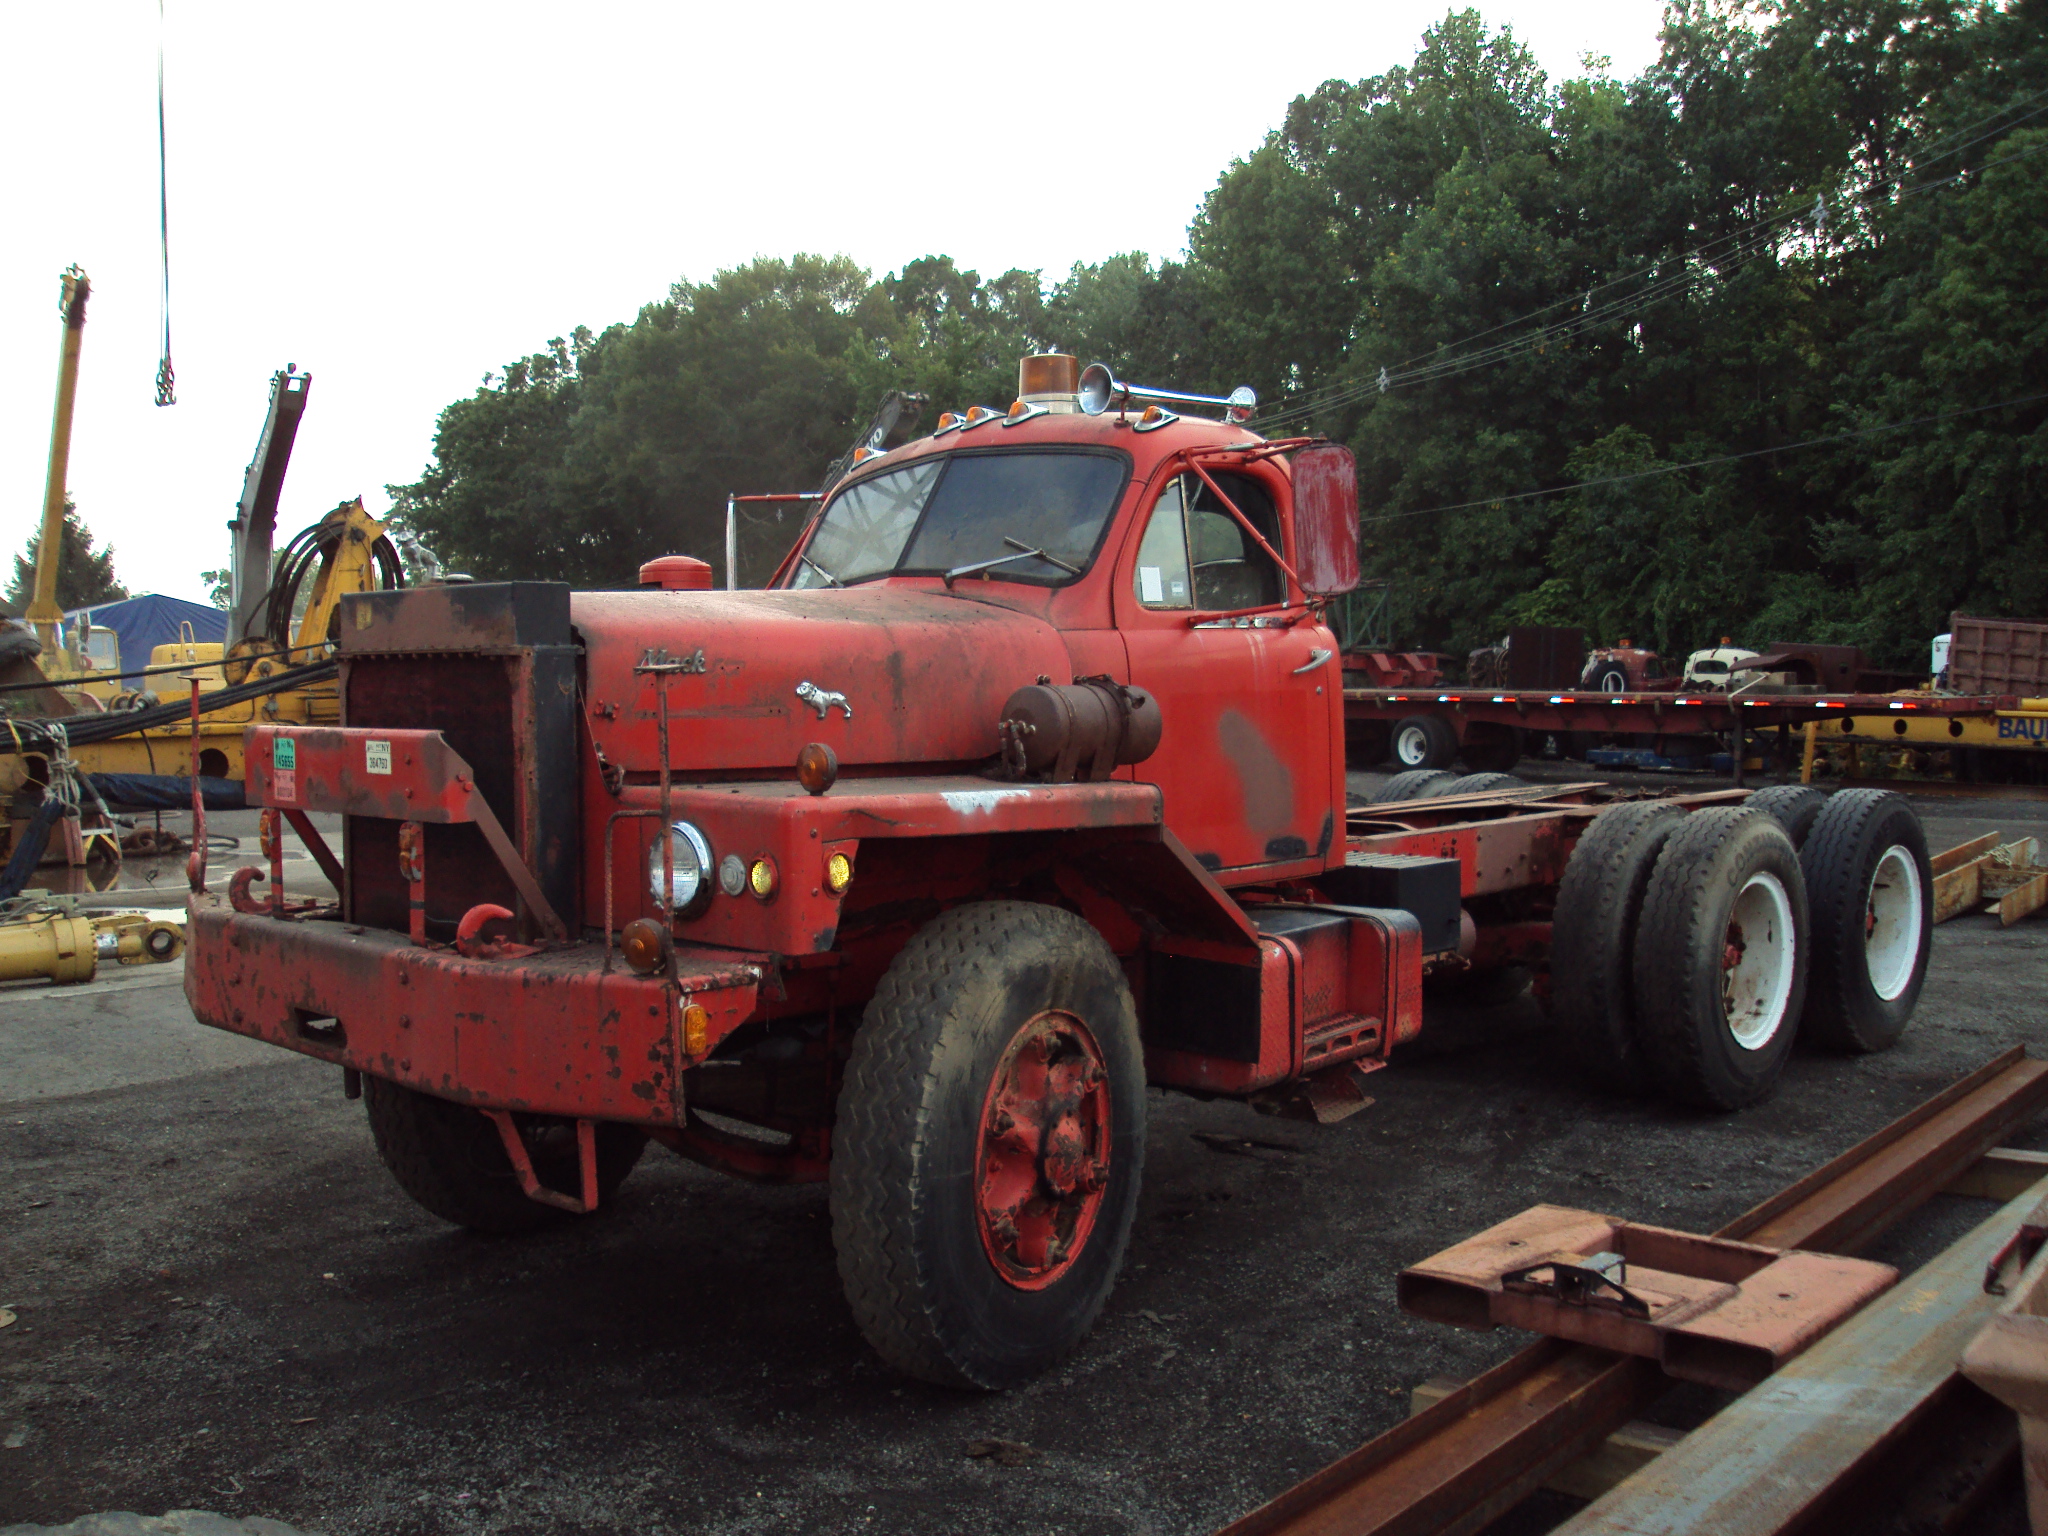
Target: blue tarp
{"points": [[159, 791], [151, 620]]}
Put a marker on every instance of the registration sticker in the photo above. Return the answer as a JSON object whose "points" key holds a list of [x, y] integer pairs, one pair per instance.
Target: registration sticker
{"points": [[377, 756], [284, 763]]}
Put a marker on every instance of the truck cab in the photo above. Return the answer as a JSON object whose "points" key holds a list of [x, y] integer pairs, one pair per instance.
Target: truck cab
{"points": [[1019, 790]]}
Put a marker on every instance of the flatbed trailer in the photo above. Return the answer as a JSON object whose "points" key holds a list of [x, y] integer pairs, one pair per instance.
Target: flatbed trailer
{"points": [[1429, 728]]}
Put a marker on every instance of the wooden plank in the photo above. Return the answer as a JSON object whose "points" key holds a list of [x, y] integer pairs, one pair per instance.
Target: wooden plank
{"points": [[1620, 1456], [1957, 890], [2030, 897], [1963, 853], [2003, 1173]]}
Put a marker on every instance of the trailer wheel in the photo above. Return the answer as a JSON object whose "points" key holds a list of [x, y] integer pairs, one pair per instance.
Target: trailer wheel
{"points": [[449, 1158], [1872, 893], [1415, 784], [1592, 940], [1721, 957], [988, 1145], [1424, 741], [1793, 806], [1477, 784]]}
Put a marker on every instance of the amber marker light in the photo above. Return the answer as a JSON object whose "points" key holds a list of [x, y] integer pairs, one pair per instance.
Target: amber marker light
{"points": [[761, 878], [696, 1029], [817, 767], [838, 873], [644, 942]]}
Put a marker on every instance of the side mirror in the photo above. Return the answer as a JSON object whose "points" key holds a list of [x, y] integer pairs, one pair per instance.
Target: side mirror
{"points": [[1326, 519]]}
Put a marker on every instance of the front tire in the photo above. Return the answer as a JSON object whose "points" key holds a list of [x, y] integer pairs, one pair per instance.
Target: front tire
{"points": [[989, 1144], [451, 1160], [1872, 893], [1721, 957]]}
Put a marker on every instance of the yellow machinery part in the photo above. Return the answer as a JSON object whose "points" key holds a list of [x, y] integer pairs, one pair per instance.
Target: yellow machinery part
{"points": [[50, 944], [63, 948], [2023, 729]]}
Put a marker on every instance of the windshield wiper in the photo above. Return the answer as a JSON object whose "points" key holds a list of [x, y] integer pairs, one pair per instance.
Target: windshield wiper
{"points": [[1024, 551], [830, 579]]}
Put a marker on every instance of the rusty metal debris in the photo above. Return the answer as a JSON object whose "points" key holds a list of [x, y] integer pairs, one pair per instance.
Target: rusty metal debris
{"points": [[1707, 1309], [1455, 1467], [1808, 1450]]}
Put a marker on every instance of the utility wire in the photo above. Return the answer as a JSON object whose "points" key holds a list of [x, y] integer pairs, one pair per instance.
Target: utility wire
{"points": [[166, 376], [1723, 253], [1724, 458]]}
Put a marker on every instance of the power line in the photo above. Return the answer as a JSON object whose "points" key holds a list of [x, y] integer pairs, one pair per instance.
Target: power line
{"points": [[1725, 458], [1725, 252]]}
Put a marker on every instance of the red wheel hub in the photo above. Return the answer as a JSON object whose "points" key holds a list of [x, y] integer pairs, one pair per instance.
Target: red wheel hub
{"points": [[1042, 1165]]}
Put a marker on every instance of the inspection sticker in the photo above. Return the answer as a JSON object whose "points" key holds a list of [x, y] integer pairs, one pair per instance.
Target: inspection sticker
{"points": [[377, 756], [284, 762]]}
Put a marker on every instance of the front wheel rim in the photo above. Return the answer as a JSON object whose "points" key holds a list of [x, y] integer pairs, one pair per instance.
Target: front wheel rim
{"points": [[1042, 1160], [1759, 953], [1891, 923]]}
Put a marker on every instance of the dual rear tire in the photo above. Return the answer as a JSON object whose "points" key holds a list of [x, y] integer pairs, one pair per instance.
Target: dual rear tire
{"points": [[1688, 949]]}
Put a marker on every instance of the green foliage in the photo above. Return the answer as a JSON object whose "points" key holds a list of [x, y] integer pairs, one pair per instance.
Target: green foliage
{"points": [[85, 575], [1589, 280]]}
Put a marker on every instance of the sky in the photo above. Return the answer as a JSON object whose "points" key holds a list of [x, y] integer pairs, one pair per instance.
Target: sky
{"points": [[400, 198]]}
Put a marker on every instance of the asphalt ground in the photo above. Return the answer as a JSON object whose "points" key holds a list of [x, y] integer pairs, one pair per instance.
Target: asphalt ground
{"points": [[224, 1303]]}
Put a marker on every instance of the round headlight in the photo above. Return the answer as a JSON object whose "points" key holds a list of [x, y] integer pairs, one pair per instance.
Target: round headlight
{"points": [[690, 870]]}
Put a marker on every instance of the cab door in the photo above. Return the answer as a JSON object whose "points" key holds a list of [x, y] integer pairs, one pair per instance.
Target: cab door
{"points": [[1247, 758]]}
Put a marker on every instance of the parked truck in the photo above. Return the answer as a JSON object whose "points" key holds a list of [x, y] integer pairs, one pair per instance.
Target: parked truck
{"points": [[1019, 791]]}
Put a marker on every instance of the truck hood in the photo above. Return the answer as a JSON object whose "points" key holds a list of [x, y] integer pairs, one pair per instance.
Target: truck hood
{"points": [[923, 675]]}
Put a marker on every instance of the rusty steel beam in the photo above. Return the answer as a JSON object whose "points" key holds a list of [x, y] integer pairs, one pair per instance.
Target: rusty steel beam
{"points": [[1816, 1449], [1453, 1468]]}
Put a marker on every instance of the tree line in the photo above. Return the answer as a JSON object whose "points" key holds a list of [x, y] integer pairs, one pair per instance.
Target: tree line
{"points": [[1755, 343]]}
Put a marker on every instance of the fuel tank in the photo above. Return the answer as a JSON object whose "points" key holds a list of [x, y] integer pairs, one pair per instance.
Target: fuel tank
{"points": [[882, 675]]}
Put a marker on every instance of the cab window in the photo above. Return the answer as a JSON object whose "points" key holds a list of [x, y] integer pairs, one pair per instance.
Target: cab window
{"points": [[1195, 554]]}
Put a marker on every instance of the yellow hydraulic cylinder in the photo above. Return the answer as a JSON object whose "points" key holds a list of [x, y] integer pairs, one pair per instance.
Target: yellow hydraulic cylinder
{"points": [[49, 944], [43, 613]]}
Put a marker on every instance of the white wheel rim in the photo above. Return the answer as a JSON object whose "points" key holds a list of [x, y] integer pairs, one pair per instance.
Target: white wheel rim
{"points": [[1410, 747], [1612, 684], [1757, 962], [1891, 923]]}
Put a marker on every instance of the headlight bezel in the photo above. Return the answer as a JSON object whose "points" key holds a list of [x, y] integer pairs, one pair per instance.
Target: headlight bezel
{"points": [[684, 837]]}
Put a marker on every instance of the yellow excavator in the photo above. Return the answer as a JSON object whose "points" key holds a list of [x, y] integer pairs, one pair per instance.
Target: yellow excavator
{"points": [[69, 731]]}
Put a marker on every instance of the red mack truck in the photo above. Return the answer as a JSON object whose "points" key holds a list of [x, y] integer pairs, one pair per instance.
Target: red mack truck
{"points": [[1020, 789]]}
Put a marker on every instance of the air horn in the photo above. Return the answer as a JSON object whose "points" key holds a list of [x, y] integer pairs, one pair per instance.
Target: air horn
{"points": [[1100, 389]]}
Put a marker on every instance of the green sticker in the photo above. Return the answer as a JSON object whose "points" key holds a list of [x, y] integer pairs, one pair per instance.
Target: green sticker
{"points": [[284, 753]]}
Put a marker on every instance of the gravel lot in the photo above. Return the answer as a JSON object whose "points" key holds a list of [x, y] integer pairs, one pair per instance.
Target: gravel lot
{"points": [[225, 1304]]}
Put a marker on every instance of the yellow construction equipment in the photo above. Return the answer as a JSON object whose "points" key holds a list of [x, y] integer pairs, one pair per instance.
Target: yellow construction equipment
{"points": [[44, 616]]}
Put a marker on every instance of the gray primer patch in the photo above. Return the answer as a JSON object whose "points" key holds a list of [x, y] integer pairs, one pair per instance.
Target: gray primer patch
{"points": [[1262, 774]]}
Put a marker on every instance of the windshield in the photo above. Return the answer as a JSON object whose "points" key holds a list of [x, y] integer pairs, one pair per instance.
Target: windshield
{"points": [[1040, 514]]}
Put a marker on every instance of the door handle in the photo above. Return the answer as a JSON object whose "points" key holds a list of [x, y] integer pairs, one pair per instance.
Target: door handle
{"points": [[1316, 658]]}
